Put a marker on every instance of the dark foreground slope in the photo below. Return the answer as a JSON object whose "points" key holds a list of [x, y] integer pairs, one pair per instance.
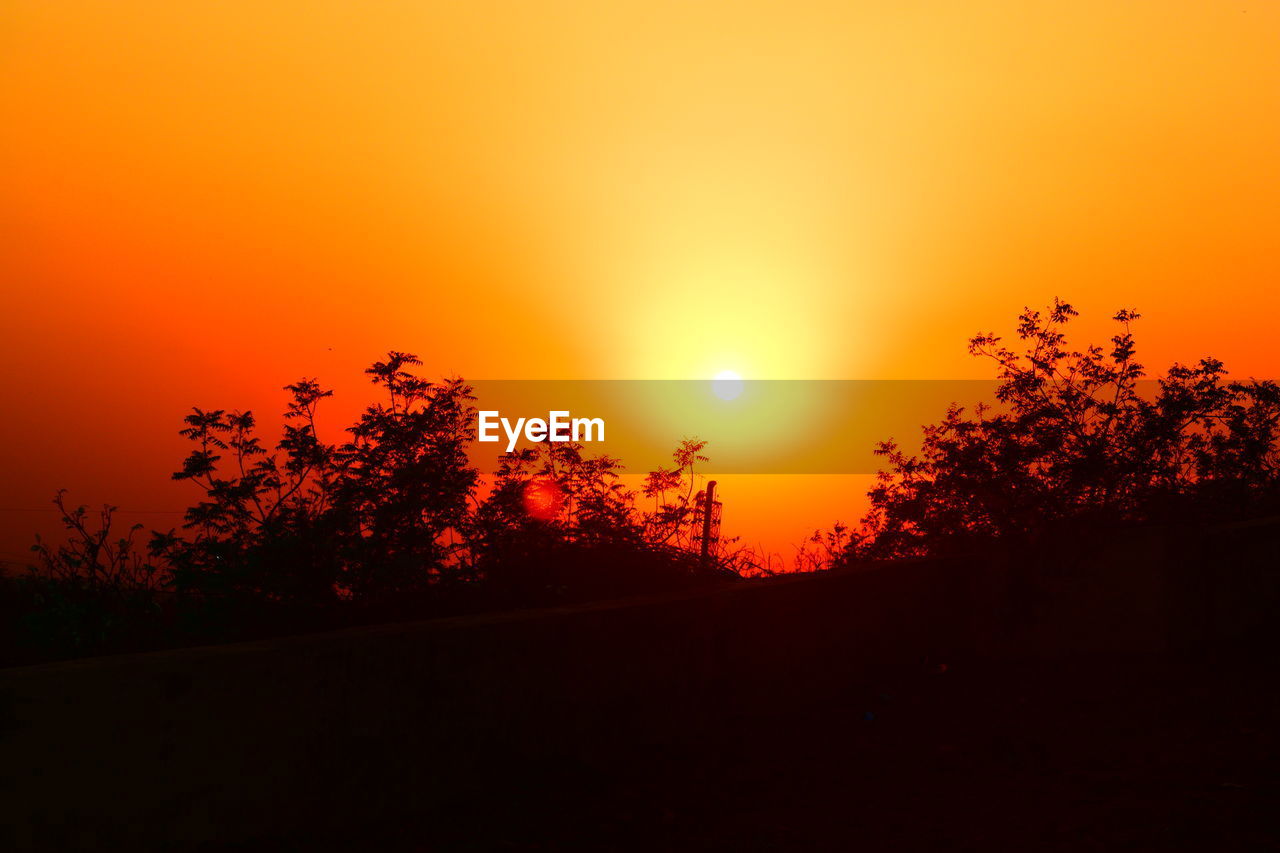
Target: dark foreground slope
{"points": [[1117, 698]]}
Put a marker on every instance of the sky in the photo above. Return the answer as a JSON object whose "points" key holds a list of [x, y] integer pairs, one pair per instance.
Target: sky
{"points": [[201, 202]]}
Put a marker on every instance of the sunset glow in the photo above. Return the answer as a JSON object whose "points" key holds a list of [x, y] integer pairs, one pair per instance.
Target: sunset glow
{"points": [[204, 202]]}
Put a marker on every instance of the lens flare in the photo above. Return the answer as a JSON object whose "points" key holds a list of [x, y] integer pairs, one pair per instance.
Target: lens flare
{"points": [[543, 499]]}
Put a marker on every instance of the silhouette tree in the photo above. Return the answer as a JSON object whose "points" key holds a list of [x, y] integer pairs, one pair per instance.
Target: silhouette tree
{"points": [[313, 522], [394, 512], [1074, 440], [391, 520], [402, 484]]}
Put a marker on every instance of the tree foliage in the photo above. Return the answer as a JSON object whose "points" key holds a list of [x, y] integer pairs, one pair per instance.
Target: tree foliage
{"points": [[397, 510], [1075, 437]]}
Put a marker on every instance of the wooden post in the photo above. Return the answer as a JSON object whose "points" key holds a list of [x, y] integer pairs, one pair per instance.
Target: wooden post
{"points": [[708, 505]]}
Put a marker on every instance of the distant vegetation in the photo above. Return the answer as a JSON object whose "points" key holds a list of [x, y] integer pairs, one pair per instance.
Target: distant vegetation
{"points": [[1072, 446], [394, 522]]}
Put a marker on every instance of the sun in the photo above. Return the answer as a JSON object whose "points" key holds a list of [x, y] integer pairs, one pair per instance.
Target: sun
{"points": [[727, 385]]}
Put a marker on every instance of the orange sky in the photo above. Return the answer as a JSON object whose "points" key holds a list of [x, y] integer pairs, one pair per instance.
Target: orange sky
{"points": [[205, 201]]}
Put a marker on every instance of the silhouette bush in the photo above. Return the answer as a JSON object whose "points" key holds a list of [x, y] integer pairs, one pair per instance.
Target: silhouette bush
{"points": [[96, 591], [395, 521], [312, 523], [392, 522], [1075, 442], [395, 514]]}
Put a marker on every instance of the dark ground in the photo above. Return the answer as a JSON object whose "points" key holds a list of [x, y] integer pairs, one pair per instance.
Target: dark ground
{"points": [[1137, 754], [1134, 754], [1127, 701]]}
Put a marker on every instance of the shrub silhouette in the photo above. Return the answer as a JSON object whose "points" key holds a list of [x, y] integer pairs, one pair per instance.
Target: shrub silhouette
{"points": [[1072, 441], [395, 513], [558, 522], [395, 516], [96, 591]]}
